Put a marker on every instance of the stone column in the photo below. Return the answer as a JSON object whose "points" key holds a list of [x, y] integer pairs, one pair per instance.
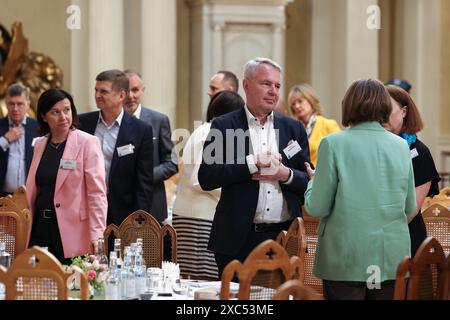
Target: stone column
{"points": [[106, 32], [225, 35], [343, 50], [97, 47], [159, 55]]}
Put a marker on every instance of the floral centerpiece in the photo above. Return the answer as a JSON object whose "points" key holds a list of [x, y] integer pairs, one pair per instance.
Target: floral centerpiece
{"points": [[95, 272]]}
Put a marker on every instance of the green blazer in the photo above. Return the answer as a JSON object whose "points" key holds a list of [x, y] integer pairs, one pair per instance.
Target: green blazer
{"points": [[363, 191]]}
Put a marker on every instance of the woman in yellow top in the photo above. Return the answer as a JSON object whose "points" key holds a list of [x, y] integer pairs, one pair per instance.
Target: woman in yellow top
{"points": [[305, 106]]}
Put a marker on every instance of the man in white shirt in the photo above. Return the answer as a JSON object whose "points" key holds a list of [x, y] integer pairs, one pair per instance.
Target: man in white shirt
{"points": [[17, 132], [263, 185], [127, 147], [163, 158]]}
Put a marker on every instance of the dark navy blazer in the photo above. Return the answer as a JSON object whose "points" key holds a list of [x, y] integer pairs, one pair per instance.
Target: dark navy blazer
{"points": [[237, 205], [130, 183], [30, 134]]}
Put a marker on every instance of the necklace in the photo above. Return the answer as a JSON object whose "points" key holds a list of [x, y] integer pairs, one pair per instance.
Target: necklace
{"points": [[55, 145]]}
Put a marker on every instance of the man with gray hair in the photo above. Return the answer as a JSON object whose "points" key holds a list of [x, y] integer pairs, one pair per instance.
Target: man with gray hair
{"points": [[269, 172], [163, 165], [17, 132]]}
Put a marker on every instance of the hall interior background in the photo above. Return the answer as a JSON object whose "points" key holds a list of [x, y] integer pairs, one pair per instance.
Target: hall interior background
{"points": [[178, 44]]}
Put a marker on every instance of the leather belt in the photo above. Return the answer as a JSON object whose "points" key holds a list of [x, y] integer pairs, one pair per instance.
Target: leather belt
{"points": [[47, 213], [271, 227]]}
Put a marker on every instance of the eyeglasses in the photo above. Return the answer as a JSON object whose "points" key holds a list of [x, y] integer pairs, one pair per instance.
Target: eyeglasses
{"points": [[13, 105]]}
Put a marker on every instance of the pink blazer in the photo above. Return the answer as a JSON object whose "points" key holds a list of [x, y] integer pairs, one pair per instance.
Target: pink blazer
{"points": [[80, 194]]}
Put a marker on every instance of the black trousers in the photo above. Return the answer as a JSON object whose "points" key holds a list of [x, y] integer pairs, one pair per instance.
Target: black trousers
{"points": [[355, 290], [254, 238], [45, 233]]}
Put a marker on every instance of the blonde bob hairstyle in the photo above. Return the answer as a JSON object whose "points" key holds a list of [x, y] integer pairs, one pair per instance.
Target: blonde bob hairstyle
{"points": [[308, 93]]}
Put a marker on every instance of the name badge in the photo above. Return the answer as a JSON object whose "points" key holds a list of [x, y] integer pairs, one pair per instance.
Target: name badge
{"points": [[292, 149], [414, 153], [125, 150], [68, 164]]}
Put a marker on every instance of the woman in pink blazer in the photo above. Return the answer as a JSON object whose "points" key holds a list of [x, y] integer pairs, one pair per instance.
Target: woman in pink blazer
{"points": [[66, 183]]}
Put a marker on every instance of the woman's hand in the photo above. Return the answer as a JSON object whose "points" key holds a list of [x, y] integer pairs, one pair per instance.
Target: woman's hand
{"points": [[94, 246], [309, 170]]}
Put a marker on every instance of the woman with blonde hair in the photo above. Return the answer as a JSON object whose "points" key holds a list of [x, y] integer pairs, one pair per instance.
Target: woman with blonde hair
{"points": [[305, 107]]}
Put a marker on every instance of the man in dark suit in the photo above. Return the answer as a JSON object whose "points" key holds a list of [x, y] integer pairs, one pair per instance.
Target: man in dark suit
{"points": [[223, 80], [257, 157], [126, 144], [164, 160], [17, 132]]}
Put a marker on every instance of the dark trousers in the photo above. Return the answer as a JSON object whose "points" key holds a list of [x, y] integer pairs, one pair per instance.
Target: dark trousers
{"points": [[355, 290], [254, 238], [45, 233]]}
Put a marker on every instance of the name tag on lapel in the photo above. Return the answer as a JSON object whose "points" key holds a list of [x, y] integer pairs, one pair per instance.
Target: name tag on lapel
{"points": [[125, 150], [68, 164], [414, 153], [292, 149]]}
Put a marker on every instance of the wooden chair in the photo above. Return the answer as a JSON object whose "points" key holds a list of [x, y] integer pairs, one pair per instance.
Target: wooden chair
{"points": [[294, 239], [264, 270], [443, 198], [437, 222], [296, 290], [19, 197], [428, 274], [36, 274], [15, 226], [311, 225], [141, 224]]}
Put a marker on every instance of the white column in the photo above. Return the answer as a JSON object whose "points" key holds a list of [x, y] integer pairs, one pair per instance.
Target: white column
{"points": [[420, 64], [159, 55], [343, 50], [105, 39], [217, 46], [79, 60]]}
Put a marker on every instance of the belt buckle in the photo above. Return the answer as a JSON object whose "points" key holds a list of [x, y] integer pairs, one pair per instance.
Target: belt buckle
{"points": [[44, 214]]}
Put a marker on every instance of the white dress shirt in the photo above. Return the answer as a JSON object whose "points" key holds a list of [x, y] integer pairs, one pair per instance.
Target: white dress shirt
{"points": [[108, 138], [271, 207], [15, 172]]}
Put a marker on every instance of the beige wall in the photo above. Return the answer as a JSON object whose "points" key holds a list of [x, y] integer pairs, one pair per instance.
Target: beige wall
{"points": [[44, 25], [445, 68], [298, 44], [183, 59]]}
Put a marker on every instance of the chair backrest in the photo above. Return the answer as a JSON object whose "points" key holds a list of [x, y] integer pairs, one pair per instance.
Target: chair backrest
{"points": [[437, 222], [311, 224], [428, 275], [294, 239], [19, 197], [443, 198], [36, 274], [15, 226], [264, 270], [141, 224], [295, 290]]}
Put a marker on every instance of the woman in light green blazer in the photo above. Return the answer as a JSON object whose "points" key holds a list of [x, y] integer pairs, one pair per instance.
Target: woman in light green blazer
{"points": [[363, 191]]}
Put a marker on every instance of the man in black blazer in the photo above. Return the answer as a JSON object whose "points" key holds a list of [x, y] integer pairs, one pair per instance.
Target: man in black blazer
{"points": [[17, 132], [257, 157], [126, 144], [164, 159]]}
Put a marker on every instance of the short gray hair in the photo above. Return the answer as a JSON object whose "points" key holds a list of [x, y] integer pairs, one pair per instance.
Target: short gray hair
{"points": [[16, 90], [252, 66]]}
